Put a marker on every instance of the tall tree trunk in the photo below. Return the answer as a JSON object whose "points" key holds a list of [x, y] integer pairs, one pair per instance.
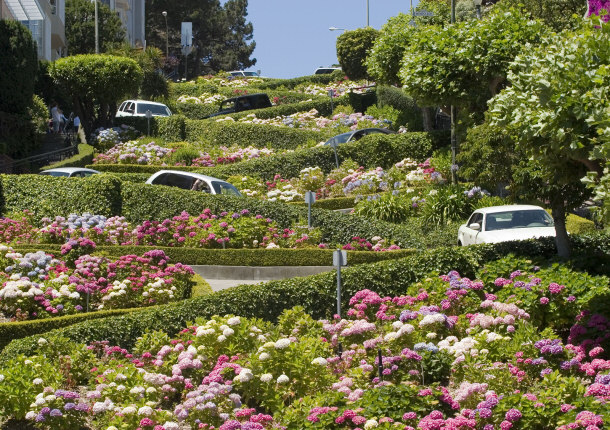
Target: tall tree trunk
{"points": [[562, 241]]}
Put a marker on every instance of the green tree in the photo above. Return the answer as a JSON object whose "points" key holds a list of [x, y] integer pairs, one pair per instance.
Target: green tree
{"points": [[558, 102], [18, 67], [222, 39], [465, 64], [154, 85], [80, 27], [557, 14], [352, 48], [96, 83]]}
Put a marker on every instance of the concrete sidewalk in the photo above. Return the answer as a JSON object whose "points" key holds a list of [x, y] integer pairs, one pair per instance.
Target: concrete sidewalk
{"points": [[222, 277]]}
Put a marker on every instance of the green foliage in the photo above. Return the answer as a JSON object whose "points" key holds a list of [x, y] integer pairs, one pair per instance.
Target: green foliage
{"points": [[383, 61], [446, 204], [80, 27], [197, 110], [488, 156], [409, 114], [184, 155], [96, 83], [201, 287], [386, 207], [82, 159], [352, 49], [49, 196], [565, 144], [559, 15], [154, 86], [18, 68], [39, 114], [579, 225], [466, 63]]}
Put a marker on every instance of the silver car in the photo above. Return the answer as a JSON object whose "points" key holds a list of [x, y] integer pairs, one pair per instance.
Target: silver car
{"points": [[193, 181], [70, 172]]}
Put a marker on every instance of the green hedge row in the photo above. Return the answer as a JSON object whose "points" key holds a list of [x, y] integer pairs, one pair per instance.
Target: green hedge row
{"points": [[50, 196], [374, 150], [83, 158], [238, 257], [107, 195], [331, 204], [315, 293]]}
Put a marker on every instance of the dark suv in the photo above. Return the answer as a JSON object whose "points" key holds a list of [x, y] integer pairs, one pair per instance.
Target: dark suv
{"points": [[242, 103]]}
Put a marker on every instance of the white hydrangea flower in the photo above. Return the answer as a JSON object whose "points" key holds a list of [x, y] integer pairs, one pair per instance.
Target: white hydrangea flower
{"points": [[37, 381], [266, 377], [431, 335], [42, 341], [228, 332], [221, 338], [391, 336], [129, 410], [264, 356], [282, 379], [320, 361], [370, 424], [145, 410], [234, 321], [31, 415], [282, 343]]}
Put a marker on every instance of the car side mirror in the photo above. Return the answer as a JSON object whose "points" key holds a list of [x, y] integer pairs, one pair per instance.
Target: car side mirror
{"points": [[475, 226]]}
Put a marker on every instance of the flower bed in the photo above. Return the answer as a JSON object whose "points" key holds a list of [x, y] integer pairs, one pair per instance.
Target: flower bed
{"points": [[449, 353], [79, 234], [36, 285]]}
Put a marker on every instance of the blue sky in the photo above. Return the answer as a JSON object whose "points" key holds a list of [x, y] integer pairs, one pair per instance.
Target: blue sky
{"points": [[292, 37]]}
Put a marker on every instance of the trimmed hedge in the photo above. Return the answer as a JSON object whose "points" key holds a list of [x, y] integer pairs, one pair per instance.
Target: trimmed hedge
{"points": [[83, 158], [227, 133], [49, 196], [410, 113], [315, 293], [374, 150], [239, 257], [331, 204]]}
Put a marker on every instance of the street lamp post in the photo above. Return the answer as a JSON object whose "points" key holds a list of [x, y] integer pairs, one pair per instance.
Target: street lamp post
{"points": [[454, 177], [367, 13], [97, 33], [164, 13], [336, 29], [477, 6]]}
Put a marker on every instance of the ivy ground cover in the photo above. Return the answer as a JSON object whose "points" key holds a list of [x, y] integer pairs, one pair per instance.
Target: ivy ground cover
{"points": [[516, 349]]}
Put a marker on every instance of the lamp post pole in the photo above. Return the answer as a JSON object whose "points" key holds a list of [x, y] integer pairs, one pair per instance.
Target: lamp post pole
{"points": [[97, 33], [164, 13], [454, 177], [367, 13]]}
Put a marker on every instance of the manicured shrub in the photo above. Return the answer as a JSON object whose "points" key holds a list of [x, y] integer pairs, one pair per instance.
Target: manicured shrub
{"points": [[49, 196], [410, 114], [97, 83], [352, 49]]}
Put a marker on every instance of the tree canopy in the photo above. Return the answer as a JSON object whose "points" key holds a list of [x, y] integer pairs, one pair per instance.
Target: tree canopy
{"points": [[557, 103], [222, 37], [80, 27], [466, 63]]}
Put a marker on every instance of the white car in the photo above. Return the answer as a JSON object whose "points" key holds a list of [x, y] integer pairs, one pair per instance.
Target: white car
{"points": [[503, 223], [243, 74], [139, 108], [70, 172], [192, 181]]}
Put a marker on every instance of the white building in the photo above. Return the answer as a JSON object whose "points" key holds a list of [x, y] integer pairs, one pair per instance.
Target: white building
{"points": [[46, 20], [131, 13]]}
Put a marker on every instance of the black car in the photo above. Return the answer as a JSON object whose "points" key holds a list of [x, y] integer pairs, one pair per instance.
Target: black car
{"points": [[242, 103], [352, 136]]}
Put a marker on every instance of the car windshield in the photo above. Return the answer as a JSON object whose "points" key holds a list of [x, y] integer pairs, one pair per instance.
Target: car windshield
{"points": [[55, 173], [154, 109], [518, 219], [340, 138], [225, 188], [251, 74]]}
